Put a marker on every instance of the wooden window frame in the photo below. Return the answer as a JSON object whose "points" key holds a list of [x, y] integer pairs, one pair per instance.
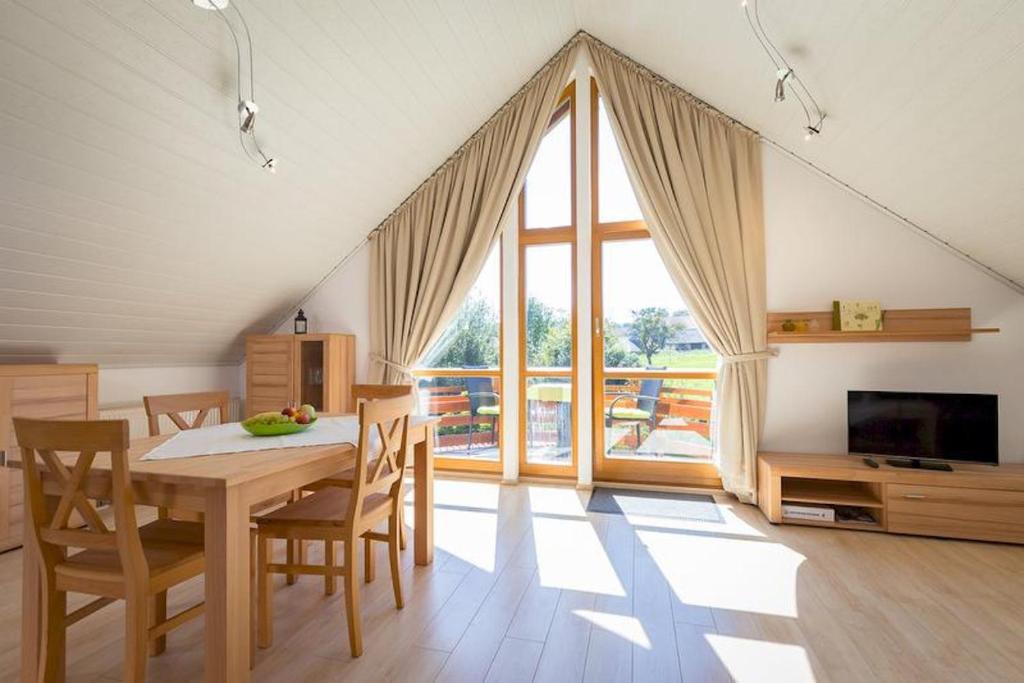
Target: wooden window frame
{"points": [[549, 236]]}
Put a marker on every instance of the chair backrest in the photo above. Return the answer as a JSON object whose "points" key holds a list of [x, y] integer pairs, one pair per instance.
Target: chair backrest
{"points": [[649, 392], [172, 405], [383, 449], [370, 392], [481, 392], [40, 442]]}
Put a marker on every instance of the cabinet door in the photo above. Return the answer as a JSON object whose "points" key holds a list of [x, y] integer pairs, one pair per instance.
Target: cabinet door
{"points": [[268, 367], [311, 370]]}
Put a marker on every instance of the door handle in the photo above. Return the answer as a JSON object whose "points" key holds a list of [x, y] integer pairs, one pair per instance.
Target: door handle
{"points": [[597, 326], [914, 496]]}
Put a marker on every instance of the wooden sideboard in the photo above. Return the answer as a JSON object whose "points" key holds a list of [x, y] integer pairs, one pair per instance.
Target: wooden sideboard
{"points": [[283, 369], [45, 392], [977, 502]]}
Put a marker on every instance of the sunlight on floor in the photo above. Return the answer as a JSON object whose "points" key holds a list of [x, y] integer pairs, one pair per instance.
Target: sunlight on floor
{"points": [[482, 495], [570, 556], [624, 626], [757, 660], [705, 570], [730, 525], [465, 520], [552, 500]]}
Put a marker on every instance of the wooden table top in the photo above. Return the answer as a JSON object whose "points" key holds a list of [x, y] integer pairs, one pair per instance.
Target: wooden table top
{"points": [[227, 469]]}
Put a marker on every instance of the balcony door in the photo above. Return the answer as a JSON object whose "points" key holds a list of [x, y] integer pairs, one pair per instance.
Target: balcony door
{"points": [[653, 372], [547, 302]]}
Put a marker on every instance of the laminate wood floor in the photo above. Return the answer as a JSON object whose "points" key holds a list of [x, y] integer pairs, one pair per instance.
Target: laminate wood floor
{"points": [[528, 586]]}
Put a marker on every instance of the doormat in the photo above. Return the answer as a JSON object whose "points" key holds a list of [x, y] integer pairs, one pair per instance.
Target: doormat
{"points": [[689, 506]]}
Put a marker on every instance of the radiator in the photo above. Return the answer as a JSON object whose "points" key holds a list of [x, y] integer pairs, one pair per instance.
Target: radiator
{"points": [[139, 426]]}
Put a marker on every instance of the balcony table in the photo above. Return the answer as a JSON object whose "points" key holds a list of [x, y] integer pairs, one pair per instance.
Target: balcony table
{"points": [[223, 487]]}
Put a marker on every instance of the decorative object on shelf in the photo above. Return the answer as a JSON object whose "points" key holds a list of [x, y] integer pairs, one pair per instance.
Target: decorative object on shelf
{"points": [[785, 75], [247, 107], [301, 326], [857, 315]]}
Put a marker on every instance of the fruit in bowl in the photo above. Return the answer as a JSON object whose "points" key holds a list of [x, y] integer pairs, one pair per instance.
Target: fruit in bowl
{"points": [[288, 421]]}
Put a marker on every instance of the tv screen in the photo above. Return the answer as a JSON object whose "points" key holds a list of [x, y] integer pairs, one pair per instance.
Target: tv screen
{"points": [[961, 427]]}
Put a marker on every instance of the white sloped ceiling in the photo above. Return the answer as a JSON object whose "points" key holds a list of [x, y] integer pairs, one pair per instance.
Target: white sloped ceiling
{"points": [[134, 231]]}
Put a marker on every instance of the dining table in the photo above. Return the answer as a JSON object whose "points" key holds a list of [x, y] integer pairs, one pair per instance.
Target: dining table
{"points": [[223, 488]]}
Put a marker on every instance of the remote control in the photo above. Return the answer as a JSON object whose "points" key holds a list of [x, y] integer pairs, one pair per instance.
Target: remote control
{"points": [[871, 463]]}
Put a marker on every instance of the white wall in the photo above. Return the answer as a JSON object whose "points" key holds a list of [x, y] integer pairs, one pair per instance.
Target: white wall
{"points": [[823, 244], [342, 304], [120, 386]]}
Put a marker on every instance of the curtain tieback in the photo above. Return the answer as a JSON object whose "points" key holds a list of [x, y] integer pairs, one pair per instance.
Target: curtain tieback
{"points": [[753, 355], [404, 369]]}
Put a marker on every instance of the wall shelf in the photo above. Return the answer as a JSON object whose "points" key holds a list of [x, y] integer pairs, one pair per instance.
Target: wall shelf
{"points": [[900, 325]]}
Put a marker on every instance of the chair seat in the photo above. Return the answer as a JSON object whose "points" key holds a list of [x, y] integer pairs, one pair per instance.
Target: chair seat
{"points": [[173, 550], [344, 477], [624, 413], [489, 410], [326, 507]]}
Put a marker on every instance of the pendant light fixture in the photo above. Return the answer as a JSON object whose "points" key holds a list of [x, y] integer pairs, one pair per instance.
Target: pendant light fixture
{"points": [[247, 107], [785, 76]]}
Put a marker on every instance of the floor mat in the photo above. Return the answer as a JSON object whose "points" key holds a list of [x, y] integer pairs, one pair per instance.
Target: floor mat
{"points": [[695, 507]]}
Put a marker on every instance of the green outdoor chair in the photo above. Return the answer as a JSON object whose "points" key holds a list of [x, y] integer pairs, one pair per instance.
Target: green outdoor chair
{"points": [[644, 412]]}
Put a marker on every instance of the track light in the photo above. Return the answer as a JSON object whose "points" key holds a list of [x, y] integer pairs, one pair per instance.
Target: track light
{"points": [[784, 72], [247, 115], [780, 84], [247, 107]]}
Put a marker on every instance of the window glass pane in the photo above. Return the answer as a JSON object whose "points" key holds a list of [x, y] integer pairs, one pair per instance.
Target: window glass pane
{"points": [[654, 418], [549, 306], [549, 420], [646, 322], [549, 181], [471, 340], [470, 412], [616, 200]]}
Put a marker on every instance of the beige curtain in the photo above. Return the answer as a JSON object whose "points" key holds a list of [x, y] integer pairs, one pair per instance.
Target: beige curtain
{"points": [[697, 175], [427, 254]]}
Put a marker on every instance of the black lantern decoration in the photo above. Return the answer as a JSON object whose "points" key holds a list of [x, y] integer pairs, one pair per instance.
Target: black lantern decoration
{"points": [[300, 323]]}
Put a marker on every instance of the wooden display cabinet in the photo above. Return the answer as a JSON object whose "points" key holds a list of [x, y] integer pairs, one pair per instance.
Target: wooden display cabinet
{"points": [[295, 369]]}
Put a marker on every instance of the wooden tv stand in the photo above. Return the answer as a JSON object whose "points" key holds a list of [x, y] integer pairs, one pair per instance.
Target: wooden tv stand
{"points": [[977, 502]]}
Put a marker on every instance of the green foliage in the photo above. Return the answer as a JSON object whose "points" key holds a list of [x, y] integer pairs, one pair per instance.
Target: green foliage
{"points": [[548, 336], [470, 340], [650, 331], [615, 353]]}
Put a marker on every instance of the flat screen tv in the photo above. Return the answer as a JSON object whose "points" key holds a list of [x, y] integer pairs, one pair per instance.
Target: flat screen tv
{"points": [[916, 427]]}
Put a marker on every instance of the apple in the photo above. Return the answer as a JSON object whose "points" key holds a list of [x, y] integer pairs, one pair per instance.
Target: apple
{"points": [[303, 418], [308, 410], [289, 411]]}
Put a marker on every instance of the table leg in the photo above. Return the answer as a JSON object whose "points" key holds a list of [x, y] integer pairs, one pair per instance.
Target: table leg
{"points": [[423, 463], [31, 596], [227, 586]]}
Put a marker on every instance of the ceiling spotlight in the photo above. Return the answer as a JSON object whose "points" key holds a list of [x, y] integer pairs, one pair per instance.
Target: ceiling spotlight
{"points": [[780, 84], [210, 4], [785, 75], [247, 115]]}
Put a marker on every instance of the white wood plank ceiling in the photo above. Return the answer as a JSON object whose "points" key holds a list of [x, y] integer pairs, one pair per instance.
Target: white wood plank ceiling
{"points": [[134, 231]]}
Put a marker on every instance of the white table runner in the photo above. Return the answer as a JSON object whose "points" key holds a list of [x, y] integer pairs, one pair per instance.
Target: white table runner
{"points": [[231, 438]]}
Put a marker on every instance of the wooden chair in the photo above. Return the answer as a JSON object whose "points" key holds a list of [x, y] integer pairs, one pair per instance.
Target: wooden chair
{"points": [[345, 514], [172, 405], [130, 563], [344, 479]]}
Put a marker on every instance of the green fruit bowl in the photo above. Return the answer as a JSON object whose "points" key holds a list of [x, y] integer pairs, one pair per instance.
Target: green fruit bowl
{"points": [[280, 429]]}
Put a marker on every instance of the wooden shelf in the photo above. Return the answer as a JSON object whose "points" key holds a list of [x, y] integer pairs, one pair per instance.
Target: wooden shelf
{"points": [[829, 492], [901, 325]]}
